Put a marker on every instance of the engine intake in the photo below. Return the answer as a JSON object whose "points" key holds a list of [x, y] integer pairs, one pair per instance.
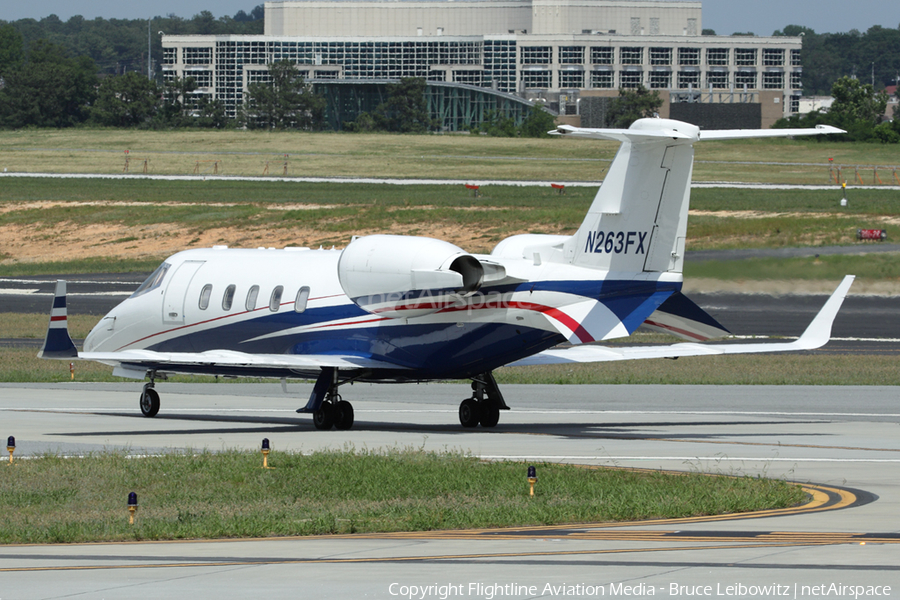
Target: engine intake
{"points": [[405, 276]]}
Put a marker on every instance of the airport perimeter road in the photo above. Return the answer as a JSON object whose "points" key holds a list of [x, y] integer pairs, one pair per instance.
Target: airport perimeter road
{"points": [[842, 439]]}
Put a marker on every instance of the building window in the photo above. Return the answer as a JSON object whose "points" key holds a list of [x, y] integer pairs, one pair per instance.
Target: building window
{"points": [[602, 79], [631, 55], [689, 57], [228, 298], [536, 55], [500, 64], [601, 55], [688, 79], [745, 57], [654, 25], [571, 55], [717, 80], [796, 80], [717, 57], [692, 27], [196, 56], [635, 26], [275, 298], [631, 79], [773, 81], [205, 293], [258, 77], [795, 58], [795, 104], [661, 56], [202, 78], [745, 78], [538, 79], [170, 56], [773, 57], [468, 77], [660, 80], [571, 79]]}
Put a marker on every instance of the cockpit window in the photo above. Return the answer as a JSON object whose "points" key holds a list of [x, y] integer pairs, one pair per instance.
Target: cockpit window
{"points": [[152, 282]]}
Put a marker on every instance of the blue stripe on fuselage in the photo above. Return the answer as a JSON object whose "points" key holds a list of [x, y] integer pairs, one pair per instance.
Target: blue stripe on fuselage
{"points": [[438, 348]]}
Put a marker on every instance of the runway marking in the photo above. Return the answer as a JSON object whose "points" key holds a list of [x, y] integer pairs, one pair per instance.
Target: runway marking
{"points": [[716, 458], [396, 559]]}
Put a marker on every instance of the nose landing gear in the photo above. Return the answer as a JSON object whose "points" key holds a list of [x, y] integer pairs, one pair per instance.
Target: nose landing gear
{"points": [[149, 401]]}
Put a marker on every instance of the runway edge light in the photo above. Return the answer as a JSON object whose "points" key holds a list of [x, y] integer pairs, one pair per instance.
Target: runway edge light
{"points": [[11, 447], [532, 479], [265, 452], [132, 507]]}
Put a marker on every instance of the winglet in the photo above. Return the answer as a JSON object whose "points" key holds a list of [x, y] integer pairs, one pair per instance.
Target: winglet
{"points": [[58, 344], [818, 332]]}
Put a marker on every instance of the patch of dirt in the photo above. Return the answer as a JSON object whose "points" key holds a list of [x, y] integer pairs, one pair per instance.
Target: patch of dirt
{"points": [[69, 241]]}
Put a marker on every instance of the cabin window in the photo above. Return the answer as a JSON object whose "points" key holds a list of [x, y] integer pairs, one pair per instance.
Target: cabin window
{"points": [[154, 281], [205, 293], [252, 294], [275, 298], [302, 299], [228, 298]]}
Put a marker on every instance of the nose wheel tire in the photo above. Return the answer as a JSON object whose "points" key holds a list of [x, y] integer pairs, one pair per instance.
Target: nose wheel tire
{"points": [[149, 402]]}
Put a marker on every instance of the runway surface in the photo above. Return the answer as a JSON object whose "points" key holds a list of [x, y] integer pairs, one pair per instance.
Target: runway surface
{"points": [[843, 440]]}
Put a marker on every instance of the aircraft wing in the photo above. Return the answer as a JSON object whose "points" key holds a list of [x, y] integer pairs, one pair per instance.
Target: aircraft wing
{"points": [[135, 359], [816, 335]]}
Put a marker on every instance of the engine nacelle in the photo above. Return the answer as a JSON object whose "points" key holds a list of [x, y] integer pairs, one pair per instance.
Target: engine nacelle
{"points": [[405, 276]]}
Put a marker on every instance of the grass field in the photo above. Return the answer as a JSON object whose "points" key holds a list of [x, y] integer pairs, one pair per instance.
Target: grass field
{"points": [[66, 226], [410, 156], [225, 494]]}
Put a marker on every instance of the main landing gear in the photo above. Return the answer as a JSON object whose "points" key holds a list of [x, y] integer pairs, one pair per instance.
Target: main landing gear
{"points": [[485, 404], [326, 405], [334, 412]]}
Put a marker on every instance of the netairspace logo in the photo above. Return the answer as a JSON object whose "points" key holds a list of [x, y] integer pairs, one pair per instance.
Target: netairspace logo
{"points": [[490, 591]]}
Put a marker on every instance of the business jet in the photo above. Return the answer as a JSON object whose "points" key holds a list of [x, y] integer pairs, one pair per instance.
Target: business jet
{"points": [[395, 309]]}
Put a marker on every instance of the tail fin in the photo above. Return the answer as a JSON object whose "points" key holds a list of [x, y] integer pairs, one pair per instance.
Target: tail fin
{"points": [[638, 220], [58, 344]]}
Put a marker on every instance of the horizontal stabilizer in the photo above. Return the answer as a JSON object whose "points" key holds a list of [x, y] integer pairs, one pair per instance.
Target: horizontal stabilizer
{"points": [[680, 316], [58, 344], [816, 335], [739, 134]]}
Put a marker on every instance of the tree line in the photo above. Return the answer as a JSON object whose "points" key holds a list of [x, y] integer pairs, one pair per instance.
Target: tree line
{"points": [[873, 57], [52, 89], [858, 109], [120, 45]]}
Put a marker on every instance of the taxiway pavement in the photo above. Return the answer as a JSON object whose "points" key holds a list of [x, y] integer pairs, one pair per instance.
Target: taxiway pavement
{"points": [[842, 438]]}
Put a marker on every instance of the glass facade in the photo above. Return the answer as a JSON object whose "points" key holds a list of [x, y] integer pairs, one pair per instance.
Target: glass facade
{"points": [[223, 66]]}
